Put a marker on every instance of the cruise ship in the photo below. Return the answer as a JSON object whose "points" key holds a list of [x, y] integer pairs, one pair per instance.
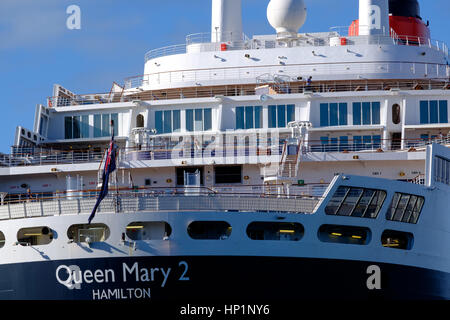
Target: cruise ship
{"points": [[284, 166]]}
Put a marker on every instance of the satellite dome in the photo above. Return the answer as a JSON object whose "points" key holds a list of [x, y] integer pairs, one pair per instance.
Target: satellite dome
{"points": [[286, 16]]}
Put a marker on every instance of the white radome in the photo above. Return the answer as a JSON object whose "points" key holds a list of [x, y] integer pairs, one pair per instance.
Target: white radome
{"points": [[286, 16]]}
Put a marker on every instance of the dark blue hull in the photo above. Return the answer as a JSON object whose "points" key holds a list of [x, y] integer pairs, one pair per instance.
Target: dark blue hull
{"points": [[215, 279]]}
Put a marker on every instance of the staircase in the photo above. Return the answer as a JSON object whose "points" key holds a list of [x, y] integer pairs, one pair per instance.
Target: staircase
{"points": [[290, 159], [277, 179]]}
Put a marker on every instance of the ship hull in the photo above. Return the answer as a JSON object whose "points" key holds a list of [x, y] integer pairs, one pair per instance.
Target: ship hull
{"points": [[218, 278]]}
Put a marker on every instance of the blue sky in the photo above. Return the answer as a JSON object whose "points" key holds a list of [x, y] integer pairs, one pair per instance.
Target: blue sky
{"points": [[37, 50]]}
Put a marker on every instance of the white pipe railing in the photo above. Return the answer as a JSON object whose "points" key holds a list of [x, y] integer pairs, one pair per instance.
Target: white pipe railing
{"points": [[139, 202]]}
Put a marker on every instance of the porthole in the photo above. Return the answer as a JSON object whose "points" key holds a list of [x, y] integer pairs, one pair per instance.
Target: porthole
{"points": [[209, 230], [281, 231], [344, 234], [88, 233], [154, 230], [139, 121], [35, 236], [396, 114], [2, 239]]}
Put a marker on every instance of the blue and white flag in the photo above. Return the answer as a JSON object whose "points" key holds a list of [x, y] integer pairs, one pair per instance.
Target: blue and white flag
{"points": [[110, 166]]}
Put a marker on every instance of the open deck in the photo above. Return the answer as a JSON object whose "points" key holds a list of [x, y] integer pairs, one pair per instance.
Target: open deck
{"points": [[152, 200], [174, 151], [293, 86]]}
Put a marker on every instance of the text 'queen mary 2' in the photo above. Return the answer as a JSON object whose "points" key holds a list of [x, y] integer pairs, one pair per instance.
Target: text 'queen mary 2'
{"points": [[282, 166]]}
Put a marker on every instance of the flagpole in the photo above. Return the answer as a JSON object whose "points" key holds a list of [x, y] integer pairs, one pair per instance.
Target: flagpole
{"points": [[117, 189], [110, 167]]}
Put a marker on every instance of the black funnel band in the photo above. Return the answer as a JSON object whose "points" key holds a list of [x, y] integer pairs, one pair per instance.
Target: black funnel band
{"points": [[404, 8]]}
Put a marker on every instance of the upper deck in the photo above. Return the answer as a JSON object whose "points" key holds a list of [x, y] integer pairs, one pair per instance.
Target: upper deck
{"points": [[323, 56]]}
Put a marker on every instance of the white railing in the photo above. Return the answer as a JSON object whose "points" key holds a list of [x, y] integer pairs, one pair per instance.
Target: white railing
{"points": [[243, 42], [250, 74], [147, 202], [172, 151]]}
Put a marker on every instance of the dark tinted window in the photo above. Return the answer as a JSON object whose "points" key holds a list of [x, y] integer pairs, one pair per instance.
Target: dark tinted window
{"points": [[228, 174], [405, 208], [344, 234], [397, 239], [284, 231], [356, 202], [209, 230], [154, 230]]}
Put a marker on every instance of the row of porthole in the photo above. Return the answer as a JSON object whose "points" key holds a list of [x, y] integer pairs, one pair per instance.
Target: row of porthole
{"points": [[214, 230]]}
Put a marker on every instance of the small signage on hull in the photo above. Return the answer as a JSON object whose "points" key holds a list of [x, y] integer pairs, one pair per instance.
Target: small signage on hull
{"points": [[75, 278]]}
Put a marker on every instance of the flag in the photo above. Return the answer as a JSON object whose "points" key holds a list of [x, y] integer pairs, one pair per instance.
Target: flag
{"points": [[110, 166]]}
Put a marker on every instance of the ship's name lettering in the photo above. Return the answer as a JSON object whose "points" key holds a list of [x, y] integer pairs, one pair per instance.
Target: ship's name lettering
{"points": [[73, 276]]}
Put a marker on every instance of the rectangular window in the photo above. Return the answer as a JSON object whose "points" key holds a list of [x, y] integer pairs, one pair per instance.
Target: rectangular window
{"points": [[85, 126], [290, 113], [97, 125], [443, 111], [106, 129], [357, 113], [343, 114], [176, 121], [240, 120], [434, 115], [366, 120], [207, 118], [356, 202], [167, 122], [442, 170], [324, 115], [258, 117], [198, 120], [190, 120], [272, 116], [376, 113], [228, 174], [76, 127], [334, 114], [115, 120], [405, 208], [424, 118], [249, 118], [281, 115], [159, 122], [366, 113], [433, 111], [76, 124], [68, 128]]}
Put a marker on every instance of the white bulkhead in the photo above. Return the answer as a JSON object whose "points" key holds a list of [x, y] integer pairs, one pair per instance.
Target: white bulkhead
{"points": [[373, 17], [226, 22]]}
